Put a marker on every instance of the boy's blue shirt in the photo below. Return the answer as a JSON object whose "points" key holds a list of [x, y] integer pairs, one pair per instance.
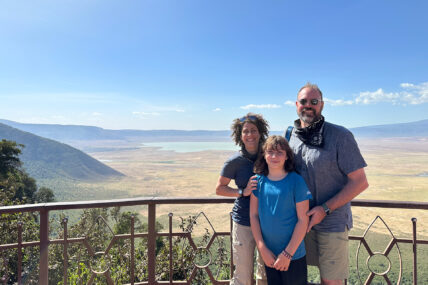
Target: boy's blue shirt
{"points": [[277, 210]]}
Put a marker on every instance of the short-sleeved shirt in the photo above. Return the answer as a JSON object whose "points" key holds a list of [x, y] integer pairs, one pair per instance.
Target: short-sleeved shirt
{"points": [[325, 171], [240, 168], [277, 210]]}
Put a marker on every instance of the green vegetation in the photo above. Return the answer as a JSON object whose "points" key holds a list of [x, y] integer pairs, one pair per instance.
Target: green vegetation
{"points": [[95, 225], [16, 188]]}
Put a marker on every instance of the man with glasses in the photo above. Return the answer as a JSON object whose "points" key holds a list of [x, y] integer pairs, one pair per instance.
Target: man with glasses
{"points": [[328, 158]]}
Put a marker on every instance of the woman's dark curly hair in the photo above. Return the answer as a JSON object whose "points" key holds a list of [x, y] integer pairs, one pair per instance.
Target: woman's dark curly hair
{"points": [[256, 119], [274, 143]]}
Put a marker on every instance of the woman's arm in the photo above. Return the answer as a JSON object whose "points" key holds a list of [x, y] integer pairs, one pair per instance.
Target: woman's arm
{"points": [[267, 255], [223, 188], [299, 232]]}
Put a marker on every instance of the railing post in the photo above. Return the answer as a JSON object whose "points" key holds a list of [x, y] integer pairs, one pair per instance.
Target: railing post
{"points": [[65, 252], [171, 273], [19, 253], [44, 247], [232, 267], [132, 249], [415, 261], [151, 244]]}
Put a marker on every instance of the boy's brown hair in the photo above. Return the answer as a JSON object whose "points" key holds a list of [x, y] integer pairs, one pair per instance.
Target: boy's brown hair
{"points": [[274, 143]]}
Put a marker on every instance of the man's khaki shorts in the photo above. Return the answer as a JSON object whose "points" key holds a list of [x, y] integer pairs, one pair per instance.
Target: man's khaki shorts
{"points": [[330, 252]]}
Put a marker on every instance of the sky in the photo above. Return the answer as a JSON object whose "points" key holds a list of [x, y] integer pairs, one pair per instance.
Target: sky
{"points": [[199, 64]]}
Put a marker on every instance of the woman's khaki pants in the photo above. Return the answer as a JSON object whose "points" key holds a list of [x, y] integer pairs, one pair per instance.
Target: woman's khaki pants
{"points": [[243, 245]]}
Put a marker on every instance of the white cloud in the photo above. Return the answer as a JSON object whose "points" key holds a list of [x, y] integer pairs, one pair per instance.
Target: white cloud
{"points": [[290, 103], [418, 94], [145, 114], [262, 106], [338, 102], [376, 97], [423, 87], [412, 94], [96, 114], [216, 110], [180, 110], [406, 85]]}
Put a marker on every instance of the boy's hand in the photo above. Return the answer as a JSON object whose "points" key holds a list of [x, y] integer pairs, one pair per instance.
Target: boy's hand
{"points": [[282, 263], [268, 257]]}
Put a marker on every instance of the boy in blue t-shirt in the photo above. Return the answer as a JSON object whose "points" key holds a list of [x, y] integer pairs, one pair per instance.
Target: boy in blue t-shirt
{"points": [[278, 214]]}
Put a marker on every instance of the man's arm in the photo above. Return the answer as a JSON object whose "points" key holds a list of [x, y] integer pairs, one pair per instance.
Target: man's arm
{"points": [[357, 183]]}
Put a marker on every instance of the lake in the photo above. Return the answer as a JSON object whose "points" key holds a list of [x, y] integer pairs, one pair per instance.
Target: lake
{"points": [[193, 146]]}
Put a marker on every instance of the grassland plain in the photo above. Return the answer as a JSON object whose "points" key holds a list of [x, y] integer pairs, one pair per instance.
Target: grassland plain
{"points": [[397, 170]]}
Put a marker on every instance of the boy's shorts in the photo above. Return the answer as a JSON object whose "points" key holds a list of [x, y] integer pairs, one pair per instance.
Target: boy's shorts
{"points": [[330, 252]]}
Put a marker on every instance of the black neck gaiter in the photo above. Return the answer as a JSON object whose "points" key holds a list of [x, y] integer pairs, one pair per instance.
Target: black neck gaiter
{"points": [[311, 135]]}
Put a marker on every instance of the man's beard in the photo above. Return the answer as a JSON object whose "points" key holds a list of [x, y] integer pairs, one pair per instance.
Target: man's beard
{"points": [[309, 118]]}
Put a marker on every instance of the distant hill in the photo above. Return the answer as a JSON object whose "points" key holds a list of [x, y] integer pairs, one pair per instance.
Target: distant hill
{"points": [[69, 133], [45, 158], [413, 129], [72, 133]]}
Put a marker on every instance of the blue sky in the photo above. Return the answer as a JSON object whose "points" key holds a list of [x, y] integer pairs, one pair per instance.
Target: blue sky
{"points": [[200, 64]]}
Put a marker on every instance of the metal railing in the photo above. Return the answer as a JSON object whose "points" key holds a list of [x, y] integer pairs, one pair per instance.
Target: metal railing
{"points": [[152, 235]]}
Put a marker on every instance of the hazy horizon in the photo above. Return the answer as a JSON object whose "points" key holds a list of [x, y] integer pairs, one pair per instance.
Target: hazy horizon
{"points": [[212, 130]]}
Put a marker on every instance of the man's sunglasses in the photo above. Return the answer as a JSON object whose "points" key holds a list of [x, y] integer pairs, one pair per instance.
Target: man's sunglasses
{"points": [[251, 118], [305, 101]]}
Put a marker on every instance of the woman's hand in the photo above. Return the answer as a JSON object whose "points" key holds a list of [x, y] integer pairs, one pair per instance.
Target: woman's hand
{"points": [[251, 185], [268, 257], [282, 263]]}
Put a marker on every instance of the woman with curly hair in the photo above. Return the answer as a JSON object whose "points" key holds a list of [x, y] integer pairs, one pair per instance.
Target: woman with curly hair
{"points": [[249, 132]]}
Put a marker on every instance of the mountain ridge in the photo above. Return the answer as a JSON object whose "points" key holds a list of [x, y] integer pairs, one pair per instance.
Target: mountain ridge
{"points": [[409, 129], [44, 158], [67, 133], [81, 132]]}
